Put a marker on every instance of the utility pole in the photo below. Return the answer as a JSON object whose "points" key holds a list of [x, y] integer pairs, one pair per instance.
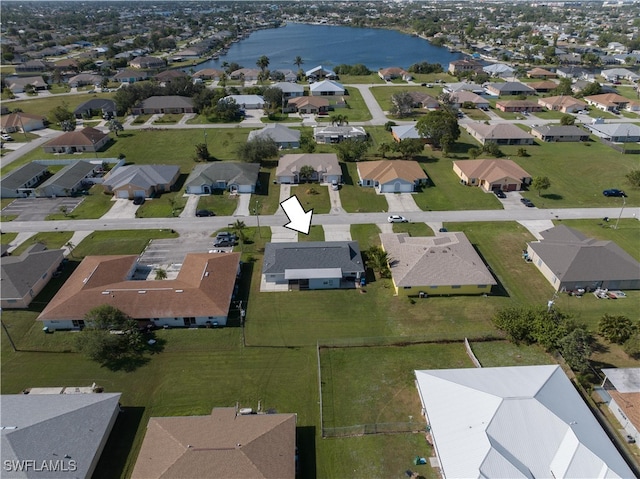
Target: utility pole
{"points": [[620, 215], [255, 210]]}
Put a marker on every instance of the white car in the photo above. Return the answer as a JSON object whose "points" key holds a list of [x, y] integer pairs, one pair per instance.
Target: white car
{"points": [[335, 186], [5, 137], [397, 219]]}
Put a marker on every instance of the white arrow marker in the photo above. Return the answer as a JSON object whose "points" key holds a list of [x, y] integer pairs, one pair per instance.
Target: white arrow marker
{"points": [[299, 219]]}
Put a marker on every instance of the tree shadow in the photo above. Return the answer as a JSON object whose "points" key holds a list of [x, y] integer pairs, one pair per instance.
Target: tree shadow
{"points": [[498, 289], [552, 196], [264, 178], [127, 363]]}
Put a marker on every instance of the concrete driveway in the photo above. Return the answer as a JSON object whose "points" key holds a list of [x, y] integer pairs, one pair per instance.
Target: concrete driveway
{"points": [[190, 207], [244, 202], [336, 202], [399, 202], [280, 234], [172, 251], [121, 208], [337, 232]]}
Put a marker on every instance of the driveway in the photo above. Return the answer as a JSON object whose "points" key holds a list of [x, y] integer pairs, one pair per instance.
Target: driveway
{"points": [[121, 208], [37, 209], [399, 202], [336, 203], [244, 201], [170, 252], [280, 234], [536, 226], [337, 232], [285, 193], [190, 207]]}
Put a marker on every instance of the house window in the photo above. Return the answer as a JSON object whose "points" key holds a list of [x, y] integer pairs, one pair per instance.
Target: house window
{"points": [[78, 323], [406, 287], [433, 287], [455, 286], [482, 286]]}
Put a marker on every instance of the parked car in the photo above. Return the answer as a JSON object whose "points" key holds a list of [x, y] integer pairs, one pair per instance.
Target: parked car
{"points": [[614, 192], [138, 200], [6, 137], [443, 230], [335, 186], [397, 219], [500, 194], [527, 202], [205, 213], [226, 235], [222, 242]]}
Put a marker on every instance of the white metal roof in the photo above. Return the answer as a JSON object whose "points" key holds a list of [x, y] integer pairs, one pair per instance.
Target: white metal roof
{"points": [[310, 273], [524, 421]]}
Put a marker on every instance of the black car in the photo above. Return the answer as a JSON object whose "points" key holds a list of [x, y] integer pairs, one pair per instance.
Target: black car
{"points": [[138, 200], [614, 192], [218, 243], [500, 194], [205, 213], [527, 202]]}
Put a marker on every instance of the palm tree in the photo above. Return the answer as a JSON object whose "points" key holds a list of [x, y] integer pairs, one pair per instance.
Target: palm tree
{"points": [[298, 61], [263, 62], [306, 172], [238, 228], [378, 260], [339, 119], [161, 274]]}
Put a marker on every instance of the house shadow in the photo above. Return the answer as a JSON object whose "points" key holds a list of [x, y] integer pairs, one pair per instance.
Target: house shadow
{"points": [[264, 180], [244, 287], [346, 177], [113, 459], [498, 289], [306, 443]]}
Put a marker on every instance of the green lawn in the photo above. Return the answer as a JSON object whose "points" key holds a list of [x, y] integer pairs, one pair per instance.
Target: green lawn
{"points": [[414, 229], [52, 240], [313, 196], [43, 105], [316, 233], [356, 199], [356, 109], [366, 235], [93, 205], [118, 242], [222, 204], [383, 94], [168, 118], [7, 238], [504, 353], [165, 205], [374, 78]]}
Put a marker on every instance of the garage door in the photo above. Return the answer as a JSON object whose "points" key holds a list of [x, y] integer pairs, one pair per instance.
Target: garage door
{"points": [[139, 194], [123, 194]]}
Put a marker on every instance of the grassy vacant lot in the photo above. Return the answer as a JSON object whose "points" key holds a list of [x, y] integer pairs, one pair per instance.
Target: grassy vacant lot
{"points": [[383, 94], [52, 240], [356, 199], [414, 229], [43, 105], [316, 233], [93, 205], [356, 109]]}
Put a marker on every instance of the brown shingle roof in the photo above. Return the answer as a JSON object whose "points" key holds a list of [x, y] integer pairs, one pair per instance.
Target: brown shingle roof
{"points": [[491, 170], [222, 445], [560, 101], [384, 171], [203, 287], [85, 137], [499, 131]]}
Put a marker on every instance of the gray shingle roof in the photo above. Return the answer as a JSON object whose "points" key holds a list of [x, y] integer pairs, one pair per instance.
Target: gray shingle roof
{"points": [[70, 175], [279, 133], [172, 101], [50, 427], [18, 177], [228, 171], [345, 255], [20, 273], [103, 104], [141, 175], [561, 130]]}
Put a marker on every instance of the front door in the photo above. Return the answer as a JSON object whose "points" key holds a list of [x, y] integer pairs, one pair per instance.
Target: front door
{"points": [[189, 321]]}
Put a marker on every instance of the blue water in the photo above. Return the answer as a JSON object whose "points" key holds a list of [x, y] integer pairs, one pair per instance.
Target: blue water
{"points": [[330, 46]]}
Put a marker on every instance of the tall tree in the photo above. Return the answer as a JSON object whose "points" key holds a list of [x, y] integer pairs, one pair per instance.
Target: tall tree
{"points": [[567, 120], [541, 183], [351, 150], [115, 126], [576, 349], [402, 104], [298, 61], [306, 172], [263, 62], [440, 127]]}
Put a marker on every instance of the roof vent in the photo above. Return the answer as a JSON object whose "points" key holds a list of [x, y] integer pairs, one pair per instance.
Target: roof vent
{"points": [[105, 292], [179, 290], [142, 291]]}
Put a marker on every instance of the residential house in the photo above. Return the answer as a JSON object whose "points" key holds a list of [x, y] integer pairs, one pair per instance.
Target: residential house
{"points": [[309, 105], [19, 84], [461, 98], [74, 177], [607, 101], [287, 75], [248, 74], [33, 66], [147, 63], [312, 265], [570, 261], [55, 435], [391, 176], [509, 88], [83, 79], [458, 67], [565, 104], [319, 72], [498, 70], [167, 76], [463, 86], [543, 86], [164, 104], [85, 139], [66, 65], [96, 107], [337, 134], [554, 133], [130, 76], [24, 276], [141, 181], [621, 391], [289, 90], [325, 168], [208, 74], [404, 132], [423, 100], [492, 174], [616, 132], [226, 443], [326, 88], [284, 137], [500, 133], [518, 106], [391, 73], [21, 182], [445, 264], [517, 421], [21, 121], [541, 73], [575, 73], [616, 74], [233, 176], [247, 102], [199, 295]]}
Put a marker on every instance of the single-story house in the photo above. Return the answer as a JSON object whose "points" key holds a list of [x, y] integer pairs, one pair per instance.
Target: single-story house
{"points": [[391, 176], [326, 168], [516, 421], [85, 139], [622, 387], [616, 74], [285, 74], [500, 133], [463, 66], [313, 264], [164, 104], [144, 62], [21, 121], [21, 182], [498, 70], [167, 76], [284, 136], [69, 180], [435, 265], [62, 434], [423, 100], [83, 79], [616, 132], [570, 261], [565, 104], [24, 276], [509, 88], [309, 105], [460, 98], [319, 72], [607, 101], [404, 132], [518, 105], [326, 88], [130, 76], [208, 74], [18, 84], [133, 181], [337, 134], [464, 86], [553, 133], [233, 176], [247, 102], [392, 73], [96, 106], [575, 72], [199, 295], [248, 74], [33, 66], [226, 443], [492, 174], [289, 90], [543, 86], [538, 72]]}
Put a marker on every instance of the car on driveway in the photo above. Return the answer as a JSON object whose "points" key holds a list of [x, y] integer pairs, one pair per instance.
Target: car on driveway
{"points": [[6, 137], [500, 194], [443, 230], [335, 186], [138, 200], [614, 192], [527, 202], [397, 219], [200, 213]]}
